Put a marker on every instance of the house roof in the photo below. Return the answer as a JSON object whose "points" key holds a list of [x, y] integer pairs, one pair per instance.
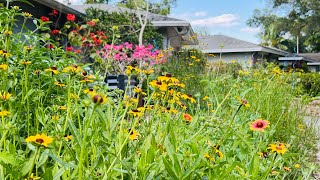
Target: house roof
{"points": [[225, 44], [313, 56], [59, 6]]}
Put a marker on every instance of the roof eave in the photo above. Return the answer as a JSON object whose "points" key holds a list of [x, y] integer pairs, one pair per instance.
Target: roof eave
{"points": [[59, 6]]}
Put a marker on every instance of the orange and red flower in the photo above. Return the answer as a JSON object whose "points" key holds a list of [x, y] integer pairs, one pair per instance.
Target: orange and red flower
{"points": [[259, 125], [187, 117], [71, 17], [44, 18]]}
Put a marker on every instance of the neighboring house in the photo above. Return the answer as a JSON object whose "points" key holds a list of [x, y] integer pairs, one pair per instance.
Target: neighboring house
{"points": [[220, 47], [306, 60], [175, 32]]}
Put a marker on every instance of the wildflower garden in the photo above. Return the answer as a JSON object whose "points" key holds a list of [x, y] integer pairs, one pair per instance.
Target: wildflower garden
{"points": [[185, 119]]}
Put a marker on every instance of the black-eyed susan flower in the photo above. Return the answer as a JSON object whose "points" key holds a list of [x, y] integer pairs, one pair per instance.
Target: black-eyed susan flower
{"points": [[279, 148], [207, 156], [159, 85], [136, 112], [72, 69], [3, 67], [273, 172], [243, 101], [4, 113], [170, 110], [133, 135], [139, 91], [263, 154], [7, 32], [187, 117], [28, 48], [5, 96], [52, 69], [168, 78], [86, 80], [62, 108], [68, 137], [259, 125], [205, 98], [148, 71], [40, 139], [5, 54], [25, 62], [90, 91], [286, 169], [132, 70], [59, 84], [32, 177], [99, 99]]}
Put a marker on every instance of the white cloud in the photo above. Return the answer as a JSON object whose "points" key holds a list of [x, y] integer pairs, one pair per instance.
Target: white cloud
{"points": [[251, 30], [222, 20], [200, 13]]}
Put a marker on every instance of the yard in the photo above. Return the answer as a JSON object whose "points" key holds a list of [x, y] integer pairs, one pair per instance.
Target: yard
{"points": [[186, 118]]}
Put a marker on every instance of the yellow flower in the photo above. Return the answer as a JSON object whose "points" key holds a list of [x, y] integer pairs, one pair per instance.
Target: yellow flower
{"points": [[99, 99], [207, 156], [52, 69], [287, 169], [168, 79], [86, 80], [90, 91], [243, 101], [193, 57], [40, 139], [297, 166], [7, 32], [159, 85], [278, 148], [136, 112], [132, 70], [197, 60], [205, 98], [26, 14], [73, 69], [148, 72], [55, 118], [133, 135], [5, 96], [4, 113], [68, 137], [74, 96], [28, 48], [59, 84], [32, 177], [62, 107], [139, 91], [3, 67], [25, 62]]}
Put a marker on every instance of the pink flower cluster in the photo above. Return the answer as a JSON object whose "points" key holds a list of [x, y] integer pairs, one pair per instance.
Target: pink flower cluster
{"points": [[127, 52]]}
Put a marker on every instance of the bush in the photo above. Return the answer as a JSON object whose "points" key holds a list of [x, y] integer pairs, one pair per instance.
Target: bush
{"points": [[310, 82]]}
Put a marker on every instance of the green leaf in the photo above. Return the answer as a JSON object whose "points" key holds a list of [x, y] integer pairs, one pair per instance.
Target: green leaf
{"points": [[169, 169], [43, 158], [58, 174], [27, 166], [8, 158]]}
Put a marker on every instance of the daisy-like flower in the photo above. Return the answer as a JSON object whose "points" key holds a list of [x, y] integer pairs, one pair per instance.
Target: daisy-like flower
{"points": [[52, 69], [25, 62], [73, 69], [32, 177], [138, 91], [59, 84], [259, 125], [297, 166], [4, 113], [243, 101], [55, 118], [68, 137], [62, 107], [99, 99], [90, 91], [40, 139], [132, 70], [133, 135], [207, 156], [86, 80], [5, 96], [136, 112], [187, 117], [205, 98], [3, 67], [168, 79], [7, 32], [148, 71], [279, 148], [26, 14], [287, 169], [159, 85]]}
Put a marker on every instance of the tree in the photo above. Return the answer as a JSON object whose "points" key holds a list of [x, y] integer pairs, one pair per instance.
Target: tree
{"points": [[300, 25], [96, 1]]}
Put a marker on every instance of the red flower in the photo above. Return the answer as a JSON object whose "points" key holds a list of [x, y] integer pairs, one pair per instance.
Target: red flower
{"points": [[55, 32], [54, 13], [71, 17], [77, 51], [187, 117], [91, 23], [259, 125], [44, 18], [50, 46], [69, 48]]}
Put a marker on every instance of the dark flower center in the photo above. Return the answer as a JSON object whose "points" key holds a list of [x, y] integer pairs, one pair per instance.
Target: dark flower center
{"points": [[260, 125], [90, 89], [159, 83], [135, 110], [244, 101], [40, 141], [279, 148], [53, 68], [168, 75], [97, 99]]}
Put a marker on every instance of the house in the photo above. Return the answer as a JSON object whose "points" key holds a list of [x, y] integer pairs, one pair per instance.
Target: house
{"points": [[175, 32], [310, 61], [220, 47]]}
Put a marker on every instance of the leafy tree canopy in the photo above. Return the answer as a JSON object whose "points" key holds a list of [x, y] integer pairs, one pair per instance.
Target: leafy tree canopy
{"points": [[300, 21]]}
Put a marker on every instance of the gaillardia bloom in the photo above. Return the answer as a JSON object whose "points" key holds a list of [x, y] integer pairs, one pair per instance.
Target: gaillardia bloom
{"points": [[40, 139], [259, 125], [278, 148], [187, 117]]}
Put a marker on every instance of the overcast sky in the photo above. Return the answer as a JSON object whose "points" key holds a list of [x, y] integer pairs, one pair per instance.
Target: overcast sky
{"points": [[226, 17]]}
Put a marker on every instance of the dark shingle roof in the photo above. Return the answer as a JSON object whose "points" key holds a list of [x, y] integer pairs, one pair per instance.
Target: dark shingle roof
{"points": [[225, 44], [312, 56]]}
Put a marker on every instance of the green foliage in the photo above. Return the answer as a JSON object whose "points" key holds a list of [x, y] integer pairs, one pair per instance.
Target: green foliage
{"points": [[310, 82]]}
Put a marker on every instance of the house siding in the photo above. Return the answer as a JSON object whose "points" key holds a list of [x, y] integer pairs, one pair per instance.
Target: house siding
{"points": [[244, 58]]}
